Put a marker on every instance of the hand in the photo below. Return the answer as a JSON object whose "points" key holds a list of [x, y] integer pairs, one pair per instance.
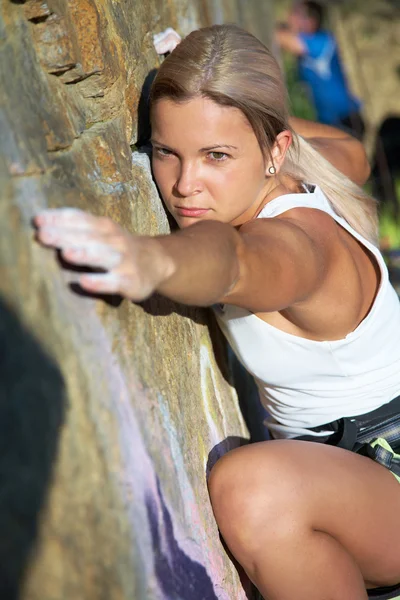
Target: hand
{"points": [[134, 265], [166, 41]]}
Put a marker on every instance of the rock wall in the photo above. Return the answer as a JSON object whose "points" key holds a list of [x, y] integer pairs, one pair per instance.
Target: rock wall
{"points": [[110, 412], [368, 33]]}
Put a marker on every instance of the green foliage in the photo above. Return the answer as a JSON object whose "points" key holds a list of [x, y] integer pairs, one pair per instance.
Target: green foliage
{"points": [[389, 227], [299, 101]]}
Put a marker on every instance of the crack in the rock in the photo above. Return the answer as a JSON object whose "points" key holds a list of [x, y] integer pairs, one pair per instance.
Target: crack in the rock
{"points": [[62, 70], [33, 173], [63, 149], [82, 77], [40, 19]]}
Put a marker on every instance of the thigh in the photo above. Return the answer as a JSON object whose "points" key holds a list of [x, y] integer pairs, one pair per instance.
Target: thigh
{"points": [[345, 495]]}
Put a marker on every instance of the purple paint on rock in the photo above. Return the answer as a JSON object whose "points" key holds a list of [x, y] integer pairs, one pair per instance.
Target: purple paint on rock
{"points": [[137, 472], [135, 455]]}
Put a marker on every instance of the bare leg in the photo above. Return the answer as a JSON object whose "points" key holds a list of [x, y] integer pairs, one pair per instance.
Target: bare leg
{"points": [[308, 521]]}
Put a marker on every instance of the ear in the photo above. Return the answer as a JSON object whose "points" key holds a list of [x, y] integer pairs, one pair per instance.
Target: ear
{"points": [[278, 151]]}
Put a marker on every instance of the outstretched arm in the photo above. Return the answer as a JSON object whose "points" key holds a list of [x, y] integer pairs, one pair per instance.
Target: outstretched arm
{"points": [[343, 151], [289, 40], [268, 265]]}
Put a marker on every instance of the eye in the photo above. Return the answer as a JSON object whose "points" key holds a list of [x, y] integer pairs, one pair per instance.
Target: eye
{"points": [[218, 156], [163, 152]]}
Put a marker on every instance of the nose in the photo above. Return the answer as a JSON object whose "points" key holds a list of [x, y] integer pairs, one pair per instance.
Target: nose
{"points": [[188, 182]]}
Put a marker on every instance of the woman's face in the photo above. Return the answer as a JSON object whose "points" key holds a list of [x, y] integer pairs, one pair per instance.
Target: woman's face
{"points": [[207, 162]]}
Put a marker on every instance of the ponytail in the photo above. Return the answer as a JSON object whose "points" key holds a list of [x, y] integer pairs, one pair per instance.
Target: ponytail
{"points": [[347, 199]]}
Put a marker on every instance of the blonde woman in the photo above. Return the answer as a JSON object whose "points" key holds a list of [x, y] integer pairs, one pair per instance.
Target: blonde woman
{"points": [[277, 236]]}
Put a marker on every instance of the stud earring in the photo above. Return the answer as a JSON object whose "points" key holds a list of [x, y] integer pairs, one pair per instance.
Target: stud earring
{"points": [[272, 170]]}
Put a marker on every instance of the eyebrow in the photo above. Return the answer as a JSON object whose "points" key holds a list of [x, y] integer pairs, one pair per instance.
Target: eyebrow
{"points": [[207, 149]]}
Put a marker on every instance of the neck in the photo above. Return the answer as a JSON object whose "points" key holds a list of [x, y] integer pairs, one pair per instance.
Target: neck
{"points": [[277, 187], [285, 185]]}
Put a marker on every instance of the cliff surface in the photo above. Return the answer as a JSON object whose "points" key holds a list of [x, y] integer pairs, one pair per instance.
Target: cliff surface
{"points": [[110, 412]]}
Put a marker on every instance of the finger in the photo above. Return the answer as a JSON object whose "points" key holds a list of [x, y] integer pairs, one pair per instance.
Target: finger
{"points": [[171, 30], [62, 237], [107, 283], [166, 46], [93, 254], [166, 41], [115, 283], [66, 217], [158, 37]]}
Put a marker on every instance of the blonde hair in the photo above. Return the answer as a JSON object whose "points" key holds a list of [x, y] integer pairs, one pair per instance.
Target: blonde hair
{"points": [[233, 68]]}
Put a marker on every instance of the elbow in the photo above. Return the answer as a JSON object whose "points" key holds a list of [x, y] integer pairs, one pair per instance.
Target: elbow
{"points": [[362, 172], [361, 169], [366, 171], [236, 282]]}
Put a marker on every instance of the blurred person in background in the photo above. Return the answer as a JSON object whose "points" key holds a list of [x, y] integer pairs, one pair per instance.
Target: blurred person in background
{"points": [[320, 67]]}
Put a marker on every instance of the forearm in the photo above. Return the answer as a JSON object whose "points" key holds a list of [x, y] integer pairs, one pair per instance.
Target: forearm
{"points": [[343, 151], [311, 129], [202, 262]]}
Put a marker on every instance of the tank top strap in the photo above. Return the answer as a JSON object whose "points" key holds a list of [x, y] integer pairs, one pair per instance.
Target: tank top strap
{"points": [[314, 197]]}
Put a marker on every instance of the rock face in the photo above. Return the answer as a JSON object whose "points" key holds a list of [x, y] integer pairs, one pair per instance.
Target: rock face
{"points": [[110, 412], [368, 33]]}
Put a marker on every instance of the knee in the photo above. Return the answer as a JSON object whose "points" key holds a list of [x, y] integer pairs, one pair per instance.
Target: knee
{"points": [[227, 490], [226, 485], [251, 489]]}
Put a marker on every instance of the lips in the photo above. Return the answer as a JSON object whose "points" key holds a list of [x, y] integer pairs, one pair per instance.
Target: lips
{"points": [[191, 212]]}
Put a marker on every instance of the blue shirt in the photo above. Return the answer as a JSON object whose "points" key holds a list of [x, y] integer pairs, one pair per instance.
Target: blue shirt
{"points": [[320, 68]]}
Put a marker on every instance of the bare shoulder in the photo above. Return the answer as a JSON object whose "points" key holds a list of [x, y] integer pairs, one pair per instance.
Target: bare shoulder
{"points": [[317, 224], [326, 277], [285, 254], [300, 224], [309, 218]]}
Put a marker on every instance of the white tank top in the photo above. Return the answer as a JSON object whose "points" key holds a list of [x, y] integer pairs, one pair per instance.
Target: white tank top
{"points": [[305, 383]]}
